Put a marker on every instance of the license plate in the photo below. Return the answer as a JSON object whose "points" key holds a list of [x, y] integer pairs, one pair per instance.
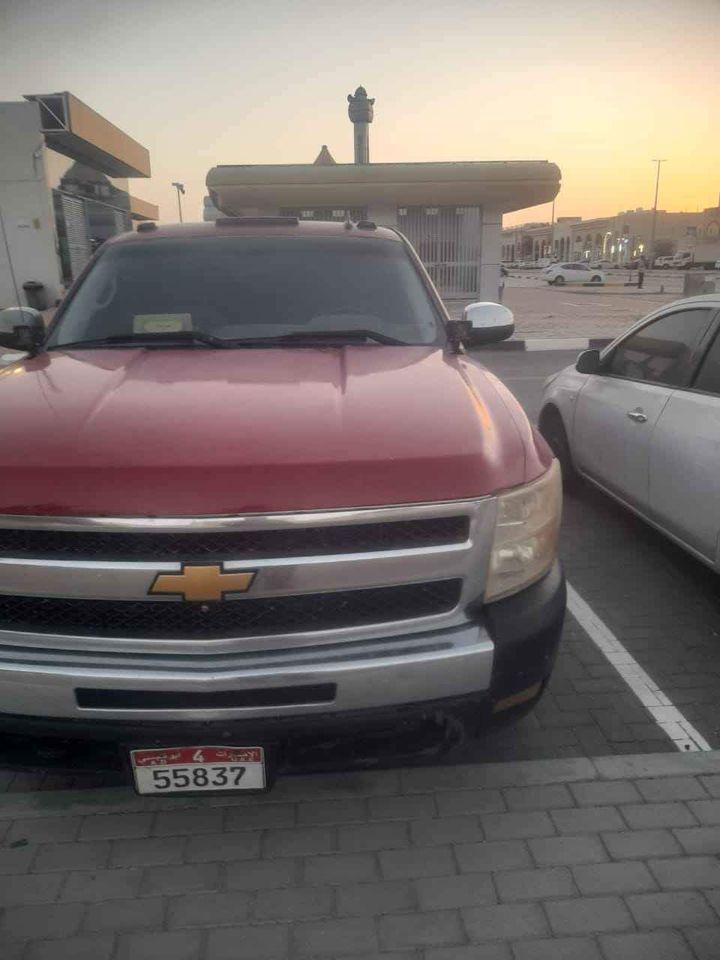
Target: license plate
{"points": [[197, 769]]}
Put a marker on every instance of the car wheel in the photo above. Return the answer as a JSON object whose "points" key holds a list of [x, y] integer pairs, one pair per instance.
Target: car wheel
{"points": [[552, 428], [596, 279], [558, 281]]}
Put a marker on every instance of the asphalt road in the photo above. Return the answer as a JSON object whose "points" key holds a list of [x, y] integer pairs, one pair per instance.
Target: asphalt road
{"points": [[662, 606]]}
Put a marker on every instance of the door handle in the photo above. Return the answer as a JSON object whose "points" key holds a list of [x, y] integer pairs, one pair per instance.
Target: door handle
{"points": [[637, 415]]}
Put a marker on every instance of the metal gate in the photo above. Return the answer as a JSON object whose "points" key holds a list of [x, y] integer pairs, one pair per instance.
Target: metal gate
{"points": [[448, 242], [76, 233]]}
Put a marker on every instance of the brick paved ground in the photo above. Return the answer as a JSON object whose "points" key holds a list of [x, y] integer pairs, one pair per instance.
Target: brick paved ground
{"points": [[596, 860]]}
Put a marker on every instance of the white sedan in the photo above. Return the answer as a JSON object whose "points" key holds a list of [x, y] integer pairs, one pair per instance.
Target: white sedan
{"points": [[560, 273], [641, 420]]}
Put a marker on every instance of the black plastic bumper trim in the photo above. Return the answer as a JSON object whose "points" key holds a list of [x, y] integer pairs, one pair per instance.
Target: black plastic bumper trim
{"points": [[106, 699]]}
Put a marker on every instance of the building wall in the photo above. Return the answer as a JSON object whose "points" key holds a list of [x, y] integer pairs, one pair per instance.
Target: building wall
{"points": [[26, 206], [619, 238], [490, 239]]}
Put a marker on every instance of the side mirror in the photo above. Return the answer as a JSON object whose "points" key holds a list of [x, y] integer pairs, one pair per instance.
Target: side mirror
{"points": [[588, 361], [22, 329], [482, 323]]}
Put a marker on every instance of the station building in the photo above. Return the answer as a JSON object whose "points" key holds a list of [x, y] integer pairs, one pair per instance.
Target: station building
{"points": [[64, 189], [450, 211]]}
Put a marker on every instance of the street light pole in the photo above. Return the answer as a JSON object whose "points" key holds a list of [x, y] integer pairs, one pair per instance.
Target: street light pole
{"points": [[552, 232], [180, 189], [651, 260]]}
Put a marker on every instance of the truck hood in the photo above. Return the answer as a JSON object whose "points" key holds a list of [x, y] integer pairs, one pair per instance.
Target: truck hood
{"points": [[189, 432]]}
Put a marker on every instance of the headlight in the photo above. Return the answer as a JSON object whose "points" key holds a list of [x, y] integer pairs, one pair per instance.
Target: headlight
{"points": [[526, 534]]}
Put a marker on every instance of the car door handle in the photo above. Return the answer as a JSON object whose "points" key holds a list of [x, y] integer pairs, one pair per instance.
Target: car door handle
{"points": [[637, 415]]}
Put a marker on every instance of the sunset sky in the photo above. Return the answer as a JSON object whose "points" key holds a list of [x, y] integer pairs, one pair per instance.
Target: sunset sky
{"points": [[599, 88]]}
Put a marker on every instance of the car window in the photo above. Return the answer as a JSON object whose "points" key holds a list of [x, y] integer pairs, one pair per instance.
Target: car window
{"points": [[708, 376], [662, 351], [240, 287], [567, 266]]}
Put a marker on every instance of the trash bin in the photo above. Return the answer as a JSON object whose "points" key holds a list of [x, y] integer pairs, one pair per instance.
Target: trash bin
{"points": [[35, 295]]}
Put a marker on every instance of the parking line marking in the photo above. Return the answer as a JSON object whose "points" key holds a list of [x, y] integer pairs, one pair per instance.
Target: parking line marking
{"points": [[659, 706]]}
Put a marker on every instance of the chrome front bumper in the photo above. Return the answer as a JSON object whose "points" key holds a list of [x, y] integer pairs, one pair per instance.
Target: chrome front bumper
{"points": [[362, 675], [51, 670]]}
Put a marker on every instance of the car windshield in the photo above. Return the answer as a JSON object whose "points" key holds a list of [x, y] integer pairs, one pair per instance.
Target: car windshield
{"points": [[251, 288]]}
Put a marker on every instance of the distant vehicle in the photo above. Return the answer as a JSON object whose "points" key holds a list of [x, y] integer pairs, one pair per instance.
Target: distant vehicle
{"points": [[560, 273], [717, 265], [683, 260], [663, 263], [640, 421], [703, 256], [601, 264]]}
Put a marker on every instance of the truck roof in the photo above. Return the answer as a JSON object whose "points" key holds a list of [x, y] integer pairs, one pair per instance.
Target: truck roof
{"points": [[257, 227]]}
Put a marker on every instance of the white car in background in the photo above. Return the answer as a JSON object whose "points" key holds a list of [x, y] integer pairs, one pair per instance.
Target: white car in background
{"points": [[663, 263], [683, 261], [560, 273], [641, 420]]}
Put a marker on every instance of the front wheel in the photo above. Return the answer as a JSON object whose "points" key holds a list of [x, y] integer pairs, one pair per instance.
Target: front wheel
{"points": [[596, 279], [553, 429], [558, 281]]}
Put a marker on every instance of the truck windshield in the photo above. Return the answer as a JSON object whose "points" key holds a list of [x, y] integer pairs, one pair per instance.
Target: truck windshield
{"points": [[248, 288]]}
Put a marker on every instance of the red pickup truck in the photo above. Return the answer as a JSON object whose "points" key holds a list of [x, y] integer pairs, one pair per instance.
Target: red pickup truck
{"points": [[254, 492]]}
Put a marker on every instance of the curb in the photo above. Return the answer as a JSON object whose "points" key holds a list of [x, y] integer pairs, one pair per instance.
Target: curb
{"points": [[559, 343], [372, 784]]}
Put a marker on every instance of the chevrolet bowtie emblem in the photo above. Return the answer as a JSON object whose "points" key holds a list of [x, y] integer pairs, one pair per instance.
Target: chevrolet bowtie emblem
{"points": [[202, 583]]}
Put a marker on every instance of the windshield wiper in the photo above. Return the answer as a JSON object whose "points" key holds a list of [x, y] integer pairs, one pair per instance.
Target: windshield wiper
{"points": [[313, 336], [164, 339], [207, 339]]}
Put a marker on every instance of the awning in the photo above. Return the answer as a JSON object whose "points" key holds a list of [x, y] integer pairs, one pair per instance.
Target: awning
{"points": [[76, 131], [504, 185], [143, 209]]}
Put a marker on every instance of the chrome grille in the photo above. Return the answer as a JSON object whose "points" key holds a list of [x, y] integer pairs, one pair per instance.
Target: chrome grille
{"points": [[259, 617], [81, 585], [211, 545]]}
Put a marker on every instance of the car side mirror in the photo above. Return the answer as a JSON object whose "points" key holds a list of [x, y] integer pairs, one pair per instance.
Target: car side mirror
{"points": [[22, 329], [588, 362], [482, 323]]}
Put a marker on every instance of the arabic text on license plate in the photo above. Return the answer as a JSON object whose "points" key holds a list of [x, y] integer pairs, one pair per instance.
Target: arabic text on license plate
{"points": [[192, 769]]}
